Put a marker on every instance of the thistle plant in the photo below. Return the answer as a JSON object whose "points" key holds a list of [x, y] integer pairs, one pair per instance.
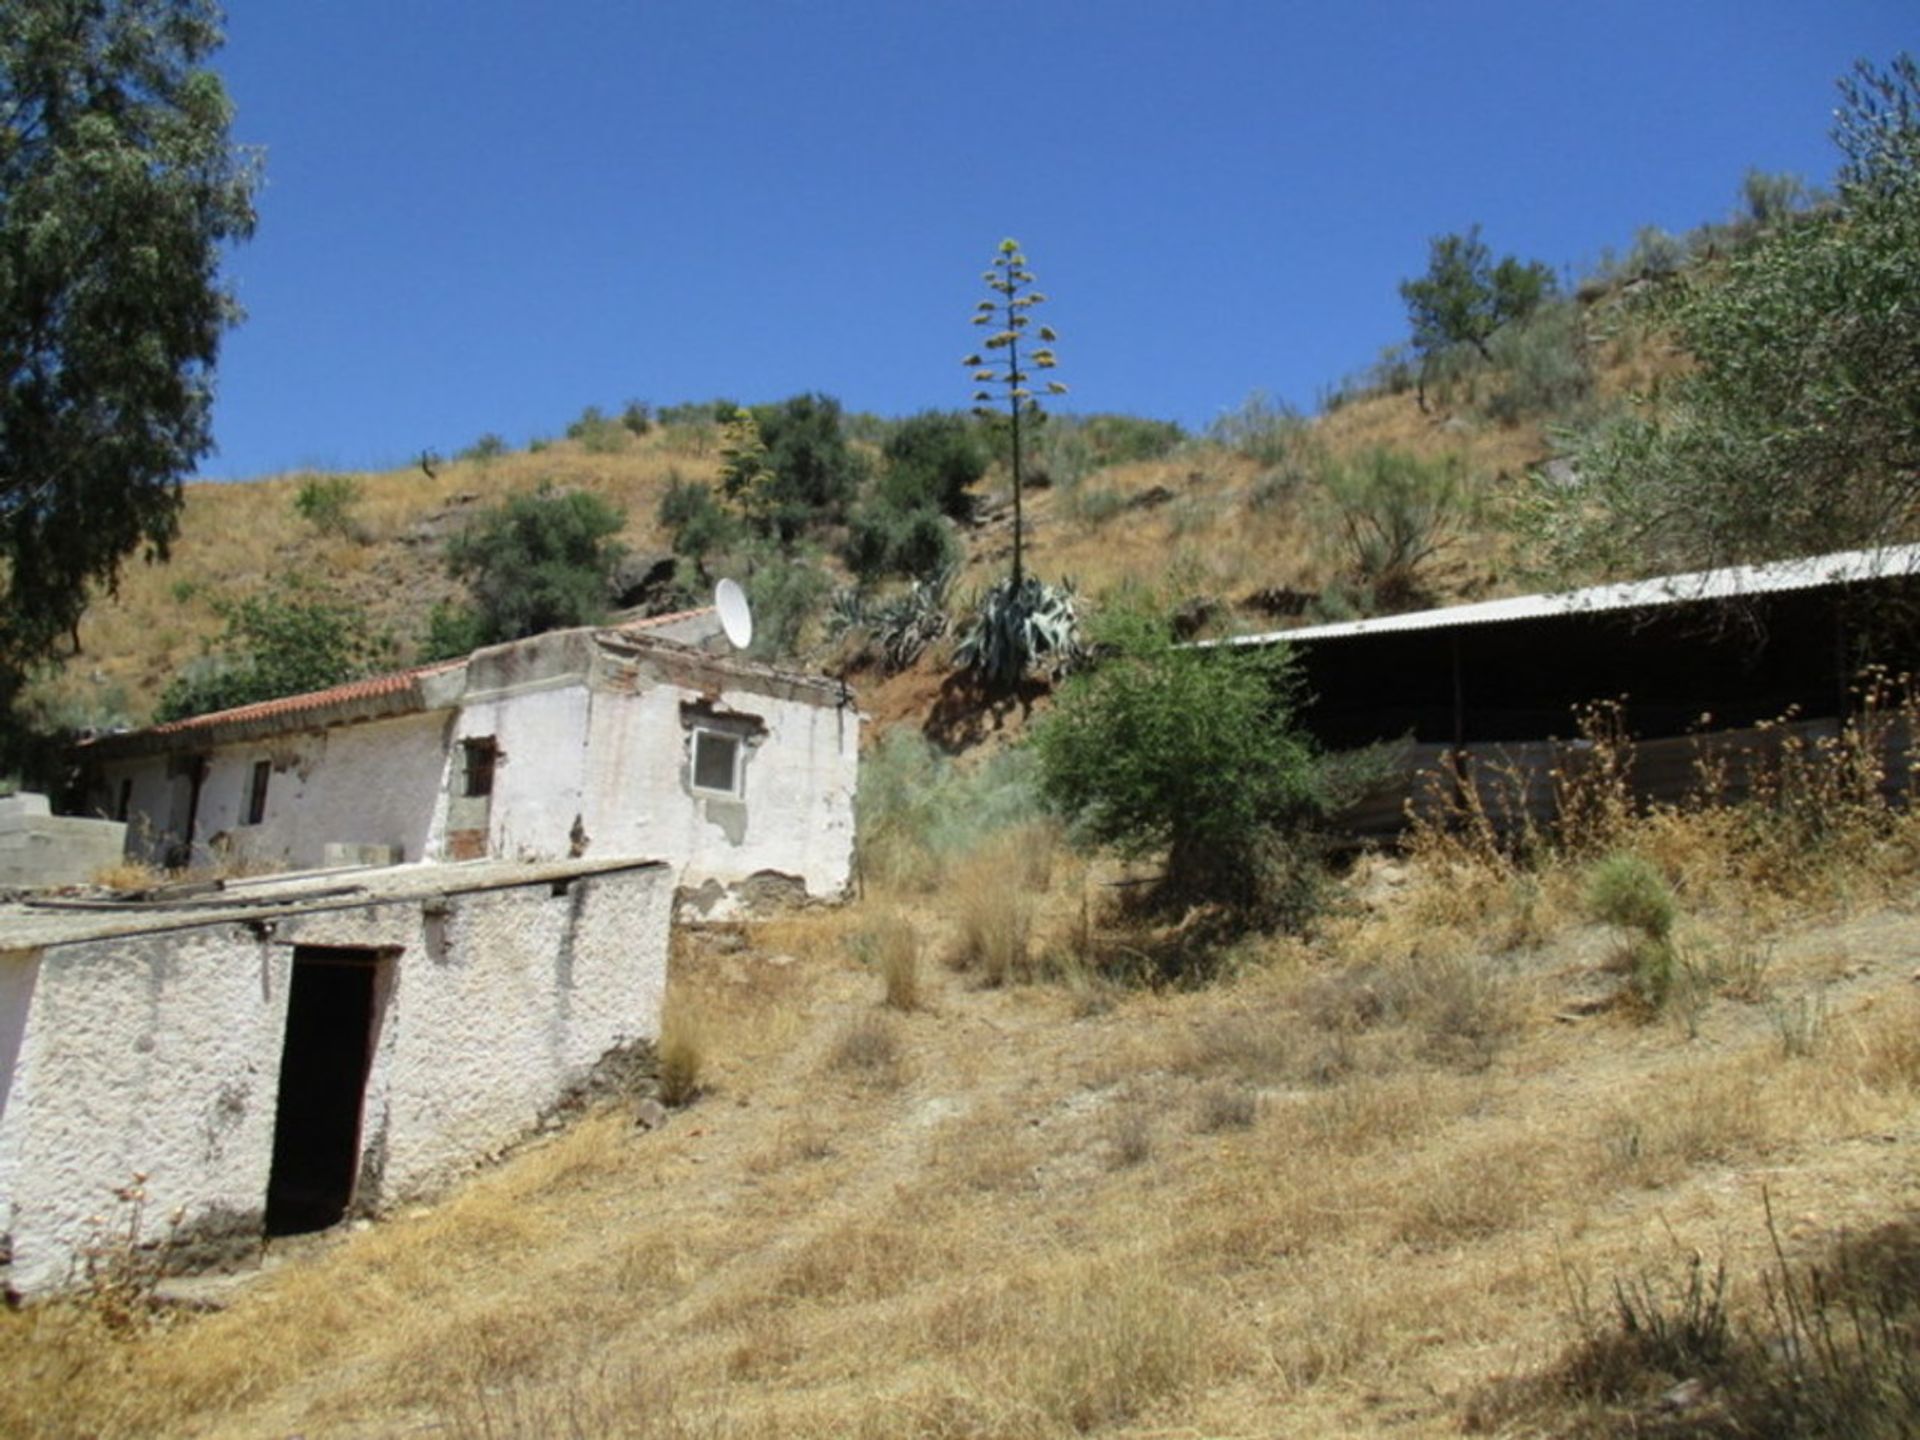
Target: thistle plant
{"points": [[998, 370]]}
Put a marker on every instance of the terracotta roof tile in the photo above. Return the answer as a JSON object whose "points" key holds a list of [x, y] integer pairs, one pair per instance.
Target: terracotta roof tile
{"points": [[374, 685]]}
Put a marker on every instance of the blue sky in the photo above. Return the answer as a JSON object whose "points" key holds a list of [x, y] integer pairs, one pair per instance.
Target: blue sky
{"points": [[483, 216]]}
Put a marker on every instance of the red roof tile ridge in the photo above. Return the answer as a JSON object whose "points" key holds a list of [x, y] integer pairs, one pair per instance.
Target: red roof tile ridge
{"points": [[362, 689]]}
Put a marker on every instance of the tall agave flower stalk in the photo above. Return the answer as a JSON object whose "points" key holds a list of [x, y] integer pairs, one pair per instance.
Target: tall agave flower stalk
{"points": [[999, 368]]}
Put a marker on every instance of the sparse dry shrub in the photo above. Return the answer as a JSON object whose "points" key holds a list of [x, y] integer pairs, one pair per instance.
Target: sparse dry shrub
{"points": [[1099, 1345], [892, 945], [861, 1260], [1889, 1048], [994, 900], [1653, 1142], [1830, 1347], [1470, 1196], [682, 1056], [869, 1049], [1367, 1113], [1129, 1134], [1463, 1007], [990, 1149], [1226, 1106]]}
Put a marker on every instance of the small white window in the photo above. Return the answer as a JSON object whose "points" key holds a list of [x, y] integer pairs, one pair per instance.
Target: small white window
{"points": [[716, 762]]}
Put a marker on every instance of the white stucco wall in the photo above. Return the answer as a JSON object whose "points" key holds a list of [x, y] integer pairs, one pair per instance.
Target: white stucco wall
{"points": [[156, 1056], [160, 1054], [539, 780], [588, 729], [512, 996], [796, 812], [19, 972]]}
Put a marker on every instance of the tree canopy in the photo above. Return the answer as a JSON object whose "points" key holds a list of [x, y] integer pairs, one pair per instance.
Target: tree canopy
{"points": [[280, 642], [1798, 428], [1465, 295], [538, 562], [118, 189]]}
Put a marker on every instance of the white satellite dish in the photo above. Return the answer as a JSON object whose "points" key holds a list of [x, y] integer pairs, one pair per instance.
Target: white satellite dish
{"points": [[736, 618]]}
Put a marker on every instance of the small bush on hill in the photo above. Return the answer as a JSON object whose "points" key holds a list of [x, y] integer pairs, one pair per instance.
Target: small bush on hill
{"points": [[538, 562], [932, 461], [1394, 513], [884, 540], [1193, 754], [326, 502], [699, 523], [917, 813], [1263, 429], [786, 592], [790, 469], [488, 447], [598, 433]]}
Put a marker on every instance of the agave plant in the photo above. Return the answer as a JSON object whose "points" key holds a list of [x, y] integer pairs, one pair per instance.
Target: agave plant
{"points": [[908, 624], [901, 628], [1021, 626]]}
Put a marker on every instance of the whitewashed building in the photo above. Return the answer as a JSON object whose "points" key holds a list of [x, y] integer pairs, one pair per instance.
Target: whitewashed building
{"points": [[272, 1055], [630, 741]]}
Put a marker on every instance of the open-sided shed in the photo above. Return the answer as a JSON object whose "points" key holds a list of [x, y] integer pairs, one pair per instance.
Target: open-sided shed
{"points": [[1694, 660]]}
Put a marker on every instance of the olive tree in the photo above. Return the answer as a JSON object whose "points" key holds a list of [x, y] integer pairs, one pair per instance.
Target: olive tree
{"points": [[1797, 429]]}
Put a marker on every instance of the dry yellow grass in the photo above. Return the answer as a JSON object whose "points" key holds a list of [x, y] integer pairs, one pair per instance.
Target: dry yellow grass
{"points": [[1342, 1193]]}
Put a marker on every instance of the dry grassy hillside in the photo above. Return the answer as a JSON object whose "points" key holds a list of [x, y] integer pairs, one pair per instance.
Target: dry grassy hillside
{"points": [[1381, 1183], [1214, 520]]}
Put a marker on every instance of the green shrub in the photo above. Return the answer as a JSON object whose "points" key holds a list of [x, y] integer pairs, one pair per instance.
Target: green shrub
{"points": [[786, 592], [932, 461], [599, 434], [792, 469], [1269, 431], [637, 418], [452, 631], [488, 447], [326, 502], [1394, 512], [1632, 895], [699, 523], [1192, 753], [538, 562], [282, 641], [1541, 366], [917, 813], [883, 540]]}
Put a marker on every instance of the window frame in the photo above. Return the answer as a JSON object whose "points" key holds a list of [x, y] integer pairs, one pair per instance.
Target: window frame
{"points": [[257, 784], [473, 748], [737, 789]]}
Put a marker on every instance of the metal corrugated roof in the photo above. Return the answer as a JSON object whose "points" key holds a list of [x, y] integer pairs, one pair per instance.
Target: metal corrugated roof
{"points": [[1843, 567]]}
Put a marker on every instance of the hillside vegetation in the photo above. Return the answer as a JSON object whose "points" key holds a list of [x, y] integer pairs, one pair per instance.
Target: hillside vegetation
{"points": [[1240, 519], [1603, 1129], [1460, 1163]]}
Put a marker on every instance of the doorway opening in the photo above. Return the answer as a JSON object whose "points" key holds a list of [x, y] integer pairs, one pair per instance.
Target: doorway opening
{"points": [[331, 1010]]}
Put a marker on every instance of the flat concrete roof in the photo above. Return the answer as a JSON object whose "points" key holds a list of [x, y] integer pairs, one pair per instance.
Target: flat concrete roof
{"points": [[30, 925]]}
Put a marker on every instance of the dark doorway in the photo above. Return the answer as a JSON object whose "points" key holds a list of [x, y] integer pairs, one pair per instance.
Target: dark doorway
{"points": [[323, 1085]]}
